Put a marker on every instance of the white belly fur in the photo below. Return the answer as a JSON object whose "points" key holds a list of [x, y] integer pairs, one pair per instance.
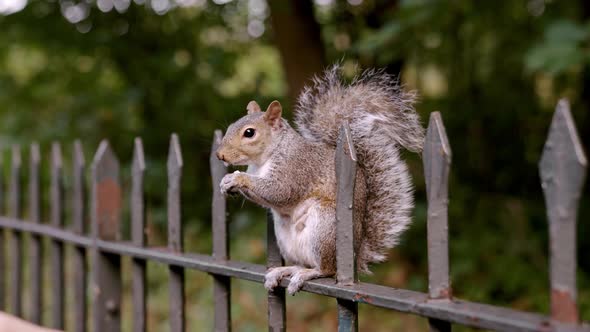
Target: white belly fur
{"points": [[297, 245]]}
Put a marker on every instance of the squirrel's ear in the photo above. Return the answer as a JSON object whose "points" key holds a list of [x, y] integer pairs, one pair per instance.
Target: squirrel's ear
{"points": [[253, 107], [273, 114]]}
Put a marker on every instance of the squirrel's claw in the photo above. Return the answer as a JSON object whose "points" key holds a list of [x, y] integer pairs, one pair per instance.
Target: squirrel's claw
{"points": [[294, 287], [300, 277], [271, 284]]}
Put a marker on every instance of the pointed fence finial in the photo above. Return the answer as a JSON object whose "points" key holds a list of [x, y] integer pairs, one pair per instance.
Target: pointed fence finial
{"points": [[137, 202], [78, 189], [107, 191], [35, 245], [175, 243], [79, 227], [437, 163], [79, 160], [345, 162], [16, 244], [138, 236], [174, 156], [57, 249], [221, 284], [106, 222], [345, 176], [34, 195], [15, 183], [563, 170]]}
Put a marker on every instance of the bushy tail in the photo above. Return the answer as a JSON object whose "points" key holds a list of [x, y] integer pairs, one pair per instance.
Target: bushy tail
{"points": [[382, 119]]}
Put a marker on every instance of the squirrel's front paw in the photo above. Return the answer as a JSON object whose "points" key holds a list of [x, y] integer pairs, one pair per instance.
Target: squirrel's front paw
{"points": [[230, 183]]}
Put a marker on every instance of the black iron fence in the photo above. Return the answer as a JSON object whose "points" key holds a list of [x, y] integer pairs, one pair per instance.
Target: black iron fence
{"points": [[562, 168]]}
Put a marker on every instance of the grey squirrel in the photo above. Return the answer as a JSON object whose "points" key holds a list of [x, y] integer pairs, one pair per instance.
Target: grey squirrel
{"points": [[293, 174]]}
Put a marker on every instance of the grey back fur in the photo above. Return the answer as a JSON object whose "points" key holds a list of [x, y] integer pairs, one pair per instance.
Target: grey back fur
{"points": [[382, 120]]}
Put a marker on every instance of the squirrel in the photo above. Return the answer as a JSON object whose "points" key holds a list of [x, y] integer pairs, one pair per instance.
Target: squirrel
{"points": [[292, 172]]}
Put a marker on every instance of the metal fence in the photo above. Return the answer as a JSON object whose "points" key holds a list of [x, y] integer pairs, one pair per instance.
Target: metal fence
{"points": [[562, 169]]}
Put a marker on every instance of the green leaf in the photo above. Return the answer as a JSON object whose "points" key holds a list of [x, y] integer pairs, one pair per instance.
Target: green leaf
{"points": [[566, 32], [377, 39]]}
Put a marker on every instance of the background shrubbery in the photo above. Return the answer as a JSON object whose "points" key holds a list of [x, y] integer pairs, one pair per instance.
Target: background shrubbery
{"points": [[495, 69]]}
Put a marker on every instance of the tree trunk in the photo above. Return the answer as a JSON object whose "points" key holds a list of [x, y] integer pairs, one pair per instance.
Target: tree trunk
{"points": [[297, 36]]}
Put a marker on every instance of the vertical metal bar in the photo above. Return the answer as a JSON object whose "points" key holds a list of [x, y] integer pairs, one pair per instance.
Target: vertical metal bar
{"points": [[437, 163], [221, 284], [36, 255], [2, 239], [276, 298], [138, 237], [106, 223], [16, 250], [57, 250], [563, 170], [78, 225], [177, 321], [345, 236]]}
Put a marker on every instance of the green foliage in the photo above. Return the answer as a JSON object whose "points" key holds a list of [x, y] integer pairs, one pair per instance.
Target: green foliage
{"points": [[563, 47], [494, 69]]}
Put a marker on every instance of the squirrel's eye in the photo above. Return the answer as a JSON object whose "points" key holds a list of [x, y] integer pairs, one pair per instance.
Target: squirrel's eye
{"points": [[249, 132]]}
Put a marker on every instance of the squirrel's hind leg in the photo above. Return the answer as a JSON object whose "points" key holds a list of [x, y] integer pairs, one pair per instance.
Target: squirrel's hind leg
{"points": [[298, 275], [302, 275]]}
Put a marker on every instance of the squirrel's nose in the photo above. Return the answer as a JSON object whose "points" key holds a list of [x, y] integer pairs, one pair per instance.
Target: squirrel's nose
{"points": [[220, 156]]}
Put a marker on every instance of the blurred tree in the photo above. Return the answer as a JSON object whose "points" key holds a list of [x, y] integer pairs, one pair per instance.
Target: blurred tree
{"points": [[297, 36]]}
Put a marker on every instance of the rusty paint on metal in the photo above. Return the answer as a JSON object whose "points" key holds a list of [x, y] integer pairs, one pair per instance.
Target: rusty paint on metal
{"points": [[443, 293], [362, 298], [108, 208], [106, 219], [563, 306]]}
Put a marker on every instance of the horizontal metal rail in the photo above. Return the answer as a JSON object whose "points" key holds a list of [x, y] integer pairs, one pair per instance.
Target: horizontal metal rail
{"points": [[456, 311]]}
